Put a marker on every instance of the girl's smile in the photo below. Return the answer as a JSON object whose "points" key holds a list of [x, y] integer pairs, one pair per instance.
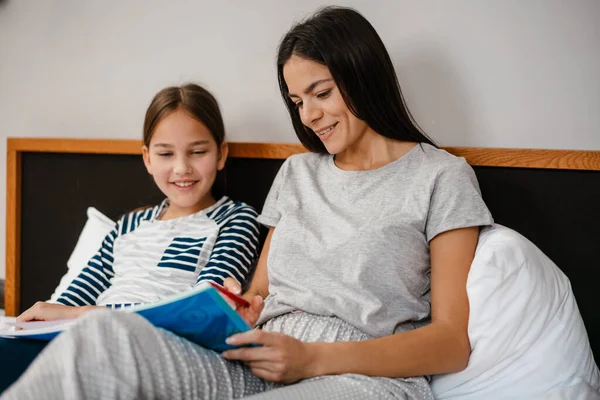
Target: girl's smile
{"points": [[183, 158]]}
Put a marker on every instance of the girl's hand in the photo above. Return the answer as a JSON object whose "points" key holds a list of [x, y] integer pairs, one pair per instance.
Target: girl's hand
{"points": [[281, 358], [249, 313], [42, 311]]}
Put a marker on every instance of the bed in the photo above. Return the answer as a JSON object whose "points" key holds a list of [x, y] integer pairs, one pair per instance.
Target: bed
{"points": [[552, 197]]}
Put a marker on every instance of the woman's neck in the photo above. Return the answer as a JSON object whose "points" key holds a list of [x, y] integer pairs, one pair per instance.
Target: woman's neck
{"points": [[372, 151]]}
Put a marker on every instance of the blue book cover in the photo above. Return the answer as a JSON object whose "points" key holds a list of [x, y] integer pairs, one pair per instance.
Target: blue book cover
{"points": [[200, 315]]}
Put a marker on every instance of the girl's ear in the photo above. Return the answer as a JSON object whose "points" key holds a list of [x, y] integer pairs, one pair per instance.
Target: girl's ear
{"points": [[146, 157], [223, 152]]}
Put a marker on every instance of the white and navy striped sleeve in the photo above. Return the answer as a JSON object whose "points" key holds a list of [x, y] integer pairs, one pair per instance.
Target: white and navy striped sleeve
{"points": [[95, 277], [236, 248]]}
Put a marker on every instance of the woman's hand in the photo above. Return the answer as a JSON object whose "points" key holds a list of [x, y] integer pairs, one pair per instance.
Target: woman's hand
{"points": [[249, 313], [281, 358], [42, 311]]}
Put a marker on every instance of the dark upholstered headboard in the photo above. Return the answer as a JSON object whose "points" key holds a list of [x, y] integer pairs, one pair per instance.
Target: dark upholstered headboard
{"points": [[550, 196]]}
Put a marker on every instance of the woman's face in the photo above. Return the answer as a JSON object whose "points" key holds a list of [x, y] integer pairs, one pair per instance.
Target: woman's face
{"points": [[321, 106]]}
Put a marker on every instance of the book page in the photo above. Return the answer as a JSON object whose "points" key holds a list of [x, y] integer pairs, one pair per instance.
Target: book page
{"points": [[37, 324]]}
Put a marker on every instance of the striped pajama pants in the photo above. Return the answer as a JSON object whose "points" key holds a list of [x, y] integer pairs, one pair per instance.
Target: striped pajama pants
{"points": [[116, 355]]}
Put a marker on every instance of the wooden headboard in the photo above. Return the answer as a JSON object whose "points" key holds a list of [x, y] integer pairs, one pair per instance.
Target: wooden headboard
{"points": [[550, 196]]}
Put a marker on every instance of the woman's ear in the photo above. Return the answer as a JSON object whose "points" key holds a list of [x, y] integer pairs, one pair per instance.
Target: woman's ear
{"points": [[223, 152], [146, 157]]}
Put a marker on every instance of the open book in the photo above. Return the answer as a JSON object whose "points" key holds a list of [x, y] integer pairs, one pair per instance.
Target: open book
{"points": [[200, 315]]}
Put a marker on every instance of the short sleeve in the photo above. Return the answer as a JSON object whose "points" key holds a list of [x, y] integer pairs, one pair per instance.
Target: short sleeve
{"points": [[456, 201], [270, 214]]}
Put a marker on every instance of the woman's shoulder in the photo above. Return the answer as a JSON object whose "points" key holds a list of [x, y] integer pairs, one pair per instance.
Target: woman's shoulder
{"points": [[438, 155], [308, 157], [439, 160], [308, 160]]}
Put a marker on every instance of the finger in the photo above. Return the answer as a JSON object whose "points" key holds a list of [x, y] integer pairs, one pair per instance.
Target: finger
{"points": [[254, 336], [257, 304], [248, 354], [268, 375], [232, 285], [264, 365], [31, 314], [251, 313]]}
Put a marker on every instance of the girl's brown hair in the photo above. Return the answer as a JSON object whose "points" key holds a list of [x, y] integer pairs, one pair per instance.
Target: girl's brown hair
{"points": [[193, 99], [200, 104]]}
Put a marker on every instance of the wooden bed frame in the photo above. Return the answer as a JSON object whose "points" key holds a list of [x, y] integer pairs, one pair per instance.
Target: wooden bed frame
{"points": [[550, 196]]}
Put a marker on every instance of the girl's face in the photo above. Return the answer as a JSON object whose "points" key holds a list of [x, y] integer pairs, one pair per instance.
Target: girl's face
{"points": [[183, 158], [321, 106]]}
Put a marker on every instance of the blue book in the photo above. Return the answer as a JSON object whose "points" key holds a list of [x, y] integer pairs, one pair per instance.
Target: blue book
{"points": [[200, 315]]}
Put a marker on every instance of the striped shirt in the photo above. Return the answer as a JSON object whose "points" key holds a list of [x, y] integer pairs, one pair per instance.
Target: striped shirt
{"points": [[144, 259]]}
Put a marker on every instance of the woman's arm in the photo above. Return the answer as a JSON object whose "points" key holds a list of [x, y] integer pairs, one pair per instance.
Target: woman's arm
{"points": [[440, 347], [260, 281]]}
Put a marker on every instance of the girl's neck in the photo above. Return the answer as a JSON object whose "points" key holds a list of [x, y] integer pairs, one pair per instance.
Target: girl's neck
{"points": [[173, 211]]}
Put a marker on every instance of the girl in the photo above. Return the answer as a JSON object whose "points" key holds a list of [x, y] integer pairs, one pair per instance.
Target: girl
{"points": [[363, 272], [165, 250]]}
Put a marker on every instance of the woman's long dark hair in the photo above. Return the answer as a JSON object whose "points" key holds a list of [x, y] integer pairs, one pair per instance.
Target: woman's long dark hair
{"points": [[347, 44]]}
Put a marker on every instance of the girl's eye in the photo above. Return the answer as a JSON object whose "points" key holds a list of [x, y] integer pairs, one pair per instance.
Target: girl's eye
{"points": [[199, 152], [324, 95], [164, 154]]}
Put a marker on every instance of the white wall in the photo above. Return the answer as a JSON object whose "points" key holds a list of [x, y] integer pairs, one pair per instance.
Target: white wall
{"points": [[512, 73]]}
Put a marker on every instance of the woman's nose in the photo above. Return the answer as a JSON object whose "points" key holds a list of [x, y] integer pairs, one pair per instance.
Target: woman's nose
{"points": [[310, 113]]}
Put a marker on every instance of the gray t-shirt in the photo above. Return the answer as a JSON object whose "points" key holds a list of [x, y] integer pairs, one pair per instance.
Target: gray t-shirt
{"points": [[355, 244]]}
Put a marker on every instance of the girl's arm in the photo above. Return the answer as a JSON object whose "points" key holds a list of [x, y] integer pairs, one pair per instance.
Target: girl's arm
{"points": [[258, 289], [81, 295], [236, 247], [440, 347], [95, 278]]}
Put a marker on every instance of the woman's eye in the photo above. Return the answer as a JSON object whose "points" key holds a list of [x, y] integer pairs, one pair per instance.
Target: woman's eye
{"points": [[199, 152], [164, 154], [324, 95], [298, 104]]}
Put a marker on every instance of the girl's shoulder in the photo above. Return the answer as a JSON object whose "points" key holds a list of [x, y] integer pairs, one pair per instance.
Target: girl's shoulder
{"points": [[226, 208], [130, 221]]}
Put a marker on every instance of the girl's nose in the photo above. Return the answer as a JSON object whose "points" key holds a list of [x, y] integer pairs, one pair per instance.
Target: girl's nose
{"points": [[182, 166]]}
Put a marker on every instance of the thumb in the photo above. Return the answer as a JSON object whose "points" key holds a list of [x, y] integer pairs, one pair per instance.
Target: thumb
{"points": [[257, 304]]}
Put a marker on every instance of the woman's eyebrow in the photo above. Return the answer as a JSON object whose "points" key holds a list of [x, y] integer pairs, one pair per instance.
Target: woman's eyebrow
{"points": [[311, 87]]}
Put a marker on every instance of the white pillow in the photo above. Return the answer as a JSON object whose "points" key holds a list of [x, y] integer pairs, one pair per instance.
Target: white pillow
{"points": [[90, 239], [527, 337]]}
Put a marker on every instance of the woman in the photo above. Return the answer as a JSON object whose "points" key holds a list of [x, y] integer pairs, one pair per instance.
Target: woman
{"points": [[363, 273]]}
